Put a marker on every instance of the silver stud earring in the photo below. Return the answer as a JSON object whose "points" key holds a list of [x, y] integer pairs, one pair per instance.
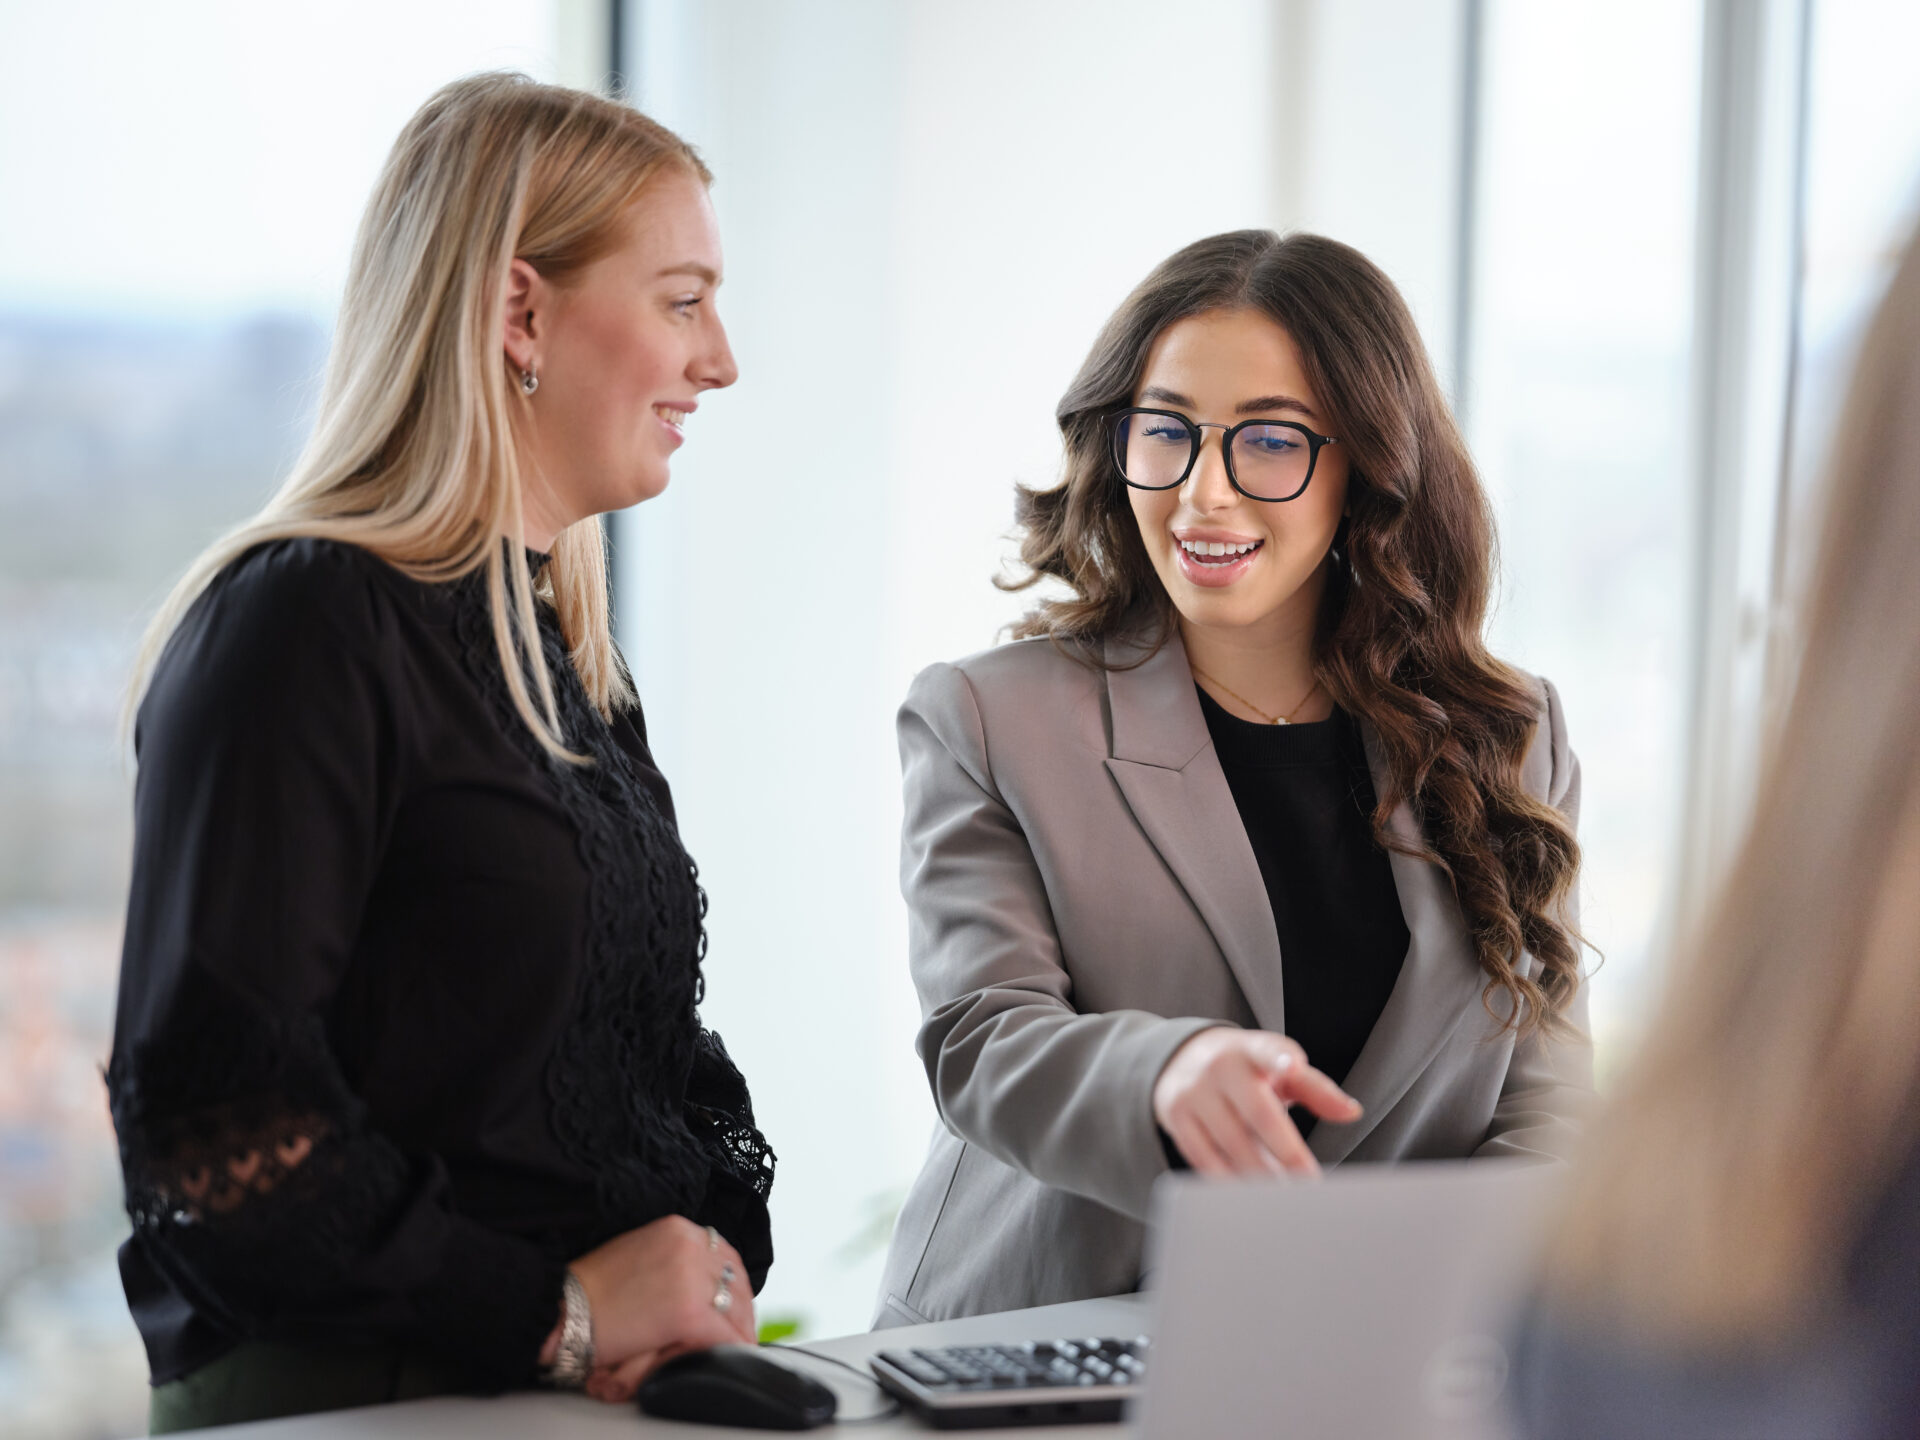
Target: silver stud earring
{"points": [[529, 382]]}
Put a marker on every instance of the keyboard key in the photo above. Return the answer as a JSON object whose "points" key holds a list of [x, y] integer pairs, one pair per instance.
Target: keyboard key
{"points": [[1026, 1365], [925, 1371]]}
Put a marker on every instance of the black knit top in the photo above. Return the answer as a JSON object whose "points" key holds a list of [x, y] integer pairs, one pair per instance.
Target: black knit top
{"points": [[407, 1006], [1306, 798]]}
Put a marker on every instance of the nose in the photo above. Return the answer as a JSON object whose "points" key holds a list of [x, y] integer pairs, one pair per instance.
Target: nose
{"points": [[713, 366], [1207, 488]]}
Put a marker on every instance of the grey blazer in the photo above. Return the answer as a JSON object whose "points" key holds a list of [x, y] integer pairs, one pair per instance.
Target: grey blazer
{"points": [[1082, 898]]}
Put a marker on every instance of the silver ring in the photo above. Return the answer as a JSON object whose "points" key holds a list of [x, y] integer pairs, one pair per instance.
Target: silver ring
{"points": [[723, 1298], [713, 1238], [726, 1274]]}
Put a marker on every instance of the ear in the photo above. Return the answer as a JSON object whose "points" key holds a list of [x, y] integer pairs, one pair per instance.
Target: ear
{"points": [[527, 298]]}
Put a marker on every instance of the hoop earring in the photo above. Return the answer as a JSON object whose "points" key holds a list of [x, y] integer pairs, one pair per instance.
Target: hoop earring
{"points": [[529, 382]]}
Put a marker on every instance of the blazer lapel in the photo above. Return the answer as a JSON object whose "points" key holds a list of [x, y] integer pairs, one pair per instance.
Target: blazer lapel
{"points": [[1440, 979], [1164, 763]]}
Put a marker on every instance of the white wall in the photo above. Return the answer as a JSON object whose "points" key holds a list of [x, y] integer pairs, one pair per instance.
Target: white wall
{"points": [[929, 210]]}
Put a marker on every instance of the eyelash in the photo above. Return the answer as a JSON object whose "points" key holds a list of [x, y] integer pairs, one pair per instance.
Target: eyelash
{"points": [[684, 306]]}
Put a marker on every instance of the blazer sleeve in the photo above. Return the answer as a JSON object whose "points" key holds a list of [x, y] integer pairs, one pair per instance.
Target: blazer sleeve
{"points": [[1548, 1092], [1015, 1069]]}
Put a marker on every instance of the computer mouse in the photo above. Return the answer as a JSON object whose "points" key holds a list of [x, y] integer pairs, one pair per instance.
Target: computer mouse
{"points": [[735, 1385]]}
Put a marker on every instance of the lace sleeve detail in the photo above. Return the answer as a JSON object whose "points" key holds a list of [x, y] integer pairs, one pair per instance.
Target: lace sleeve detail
{"points": [[235, 1122], [740, 1176], [720, 1113], [255, 1186]]}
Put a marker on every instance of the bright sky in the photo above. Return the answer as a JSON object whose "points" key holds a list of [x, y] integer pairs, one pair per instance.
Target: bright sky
{"points": [[201, 157]]}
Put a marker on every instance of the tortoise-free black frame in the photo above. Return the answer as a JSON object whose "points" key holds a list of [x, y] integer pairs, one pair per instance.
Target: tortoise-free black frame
{"points": [[1116, 441]]}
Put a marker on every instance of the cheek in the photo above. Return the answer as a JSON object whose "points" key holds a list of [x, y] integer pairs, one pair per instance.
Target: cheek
{"points": [[618, 358], [640, 363], [1316, 515], [1151, 512]]}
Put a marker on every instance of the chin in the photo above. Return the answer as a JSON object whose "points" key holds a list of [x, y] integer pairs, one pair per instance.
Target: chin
{"points": [[1221, 612], [645, 485]]}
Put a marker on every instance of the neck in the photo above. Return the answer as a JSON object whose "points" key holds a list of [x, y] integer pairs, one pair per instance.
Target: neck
{"points": [[539, 526], [1269, 663]]}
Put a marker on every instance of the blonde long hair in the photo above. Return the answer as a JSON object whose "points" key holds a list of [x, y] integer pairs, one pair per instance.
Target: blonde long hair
{"points": [[412, 455], [1776, 1093]]}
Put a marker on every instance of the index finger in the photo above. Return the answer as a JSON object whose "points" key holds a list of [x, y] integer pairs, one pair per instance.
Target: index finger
{"points": [[1303, 1085]]}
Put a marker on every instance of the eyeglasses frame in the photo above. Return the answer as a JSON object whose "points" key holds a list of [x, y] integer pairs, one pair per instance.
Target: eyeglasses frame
{"points": [[1315, 441]]}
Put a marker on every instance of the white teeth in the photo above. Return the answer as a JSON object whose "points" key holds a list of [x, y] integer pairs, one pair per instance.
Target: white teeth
{"points": [[1216, 547], [675, 418]]}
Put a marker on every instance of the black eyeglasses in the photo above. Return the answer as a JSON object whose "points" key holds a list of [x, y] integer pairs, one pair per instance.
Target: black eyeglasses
{"points": [[1269, 460]]}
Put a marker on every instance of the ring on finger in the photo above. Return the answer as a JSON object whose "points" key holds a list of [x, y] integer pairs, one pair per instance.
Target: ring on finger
{"points": [[723, 1297], [713, 1238]]}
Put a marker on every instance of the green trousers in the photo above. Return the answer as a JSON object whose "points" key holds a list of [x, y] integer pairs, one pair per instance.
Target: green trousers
{"points": [[260, 1381]]}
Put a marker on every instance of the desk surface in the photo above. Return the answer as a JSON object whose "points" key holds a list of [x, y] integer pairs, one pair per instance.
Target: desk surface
{"points": [[574, 1417]]}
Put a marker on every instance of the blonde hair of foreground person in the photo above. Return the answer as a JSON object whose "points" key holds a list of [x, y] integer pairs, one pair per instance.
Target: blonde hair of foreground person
{"points": [[413, 454], [1775, 1097]]}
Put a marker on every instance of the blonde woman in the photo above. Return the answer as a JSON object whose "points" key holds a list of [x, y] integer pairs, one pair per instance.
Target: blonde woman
{"points": [[1742, 1255], [410, 1088]]}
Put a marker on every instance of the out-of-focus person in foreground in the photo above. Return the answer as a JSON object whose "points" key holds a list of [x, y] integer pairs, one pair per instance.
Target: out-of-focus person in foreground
{"points": [[411, 1091], [1741, 1254], [1152, 925]]}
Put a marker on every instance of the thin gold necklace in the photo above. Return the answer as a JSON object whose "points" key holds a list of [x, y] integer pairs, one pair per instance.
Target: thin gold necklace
{"points": [[1285, 717]]}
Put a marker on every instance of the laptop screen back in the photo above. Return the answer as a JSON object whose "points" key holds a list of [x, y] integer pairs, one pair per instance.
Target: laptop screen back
{"points": [[1375, 1302]]}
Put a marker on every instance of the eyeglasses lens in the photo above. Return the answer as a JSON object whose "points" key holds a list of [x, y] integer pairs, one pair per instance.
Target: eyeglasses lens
{"points": [[1271, 461], [1153, 450]]}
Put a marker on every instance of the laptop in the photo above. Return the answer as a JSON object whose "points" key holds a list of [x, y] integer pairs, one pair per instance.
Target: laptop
{"points": [[1373, 1303], [1377, 1302]]}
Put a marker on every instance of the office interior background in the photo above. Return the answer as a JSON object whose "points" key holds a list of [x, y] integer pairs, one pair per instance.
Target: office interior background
{"points": [[1640, 237]]}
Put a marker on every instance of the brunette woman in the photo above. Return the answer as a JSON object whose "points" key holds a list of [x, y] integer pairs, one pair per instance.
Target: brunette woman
{"points": [[1250, 856], [410, 1088]]}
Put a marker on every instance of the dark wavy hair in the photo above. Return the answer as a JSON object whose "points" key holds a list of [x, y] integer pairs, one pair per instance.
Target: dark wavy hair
{"points": [[1399, 638]]}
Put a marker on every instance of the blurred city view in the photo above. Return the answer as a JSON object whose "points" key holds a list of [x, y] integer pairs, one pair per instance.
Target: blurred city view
{"points": [[125, 448]]}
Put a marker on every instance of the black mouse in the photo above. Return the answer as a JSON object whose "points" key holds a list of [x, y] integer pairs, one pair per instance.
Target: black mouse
{"points": [[734, 1385]]}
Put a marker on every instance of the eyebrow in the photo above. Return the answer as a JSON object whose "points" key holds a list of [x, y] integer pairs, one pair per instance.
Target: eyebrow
{"points": [[1257, 406], [694, 268]]}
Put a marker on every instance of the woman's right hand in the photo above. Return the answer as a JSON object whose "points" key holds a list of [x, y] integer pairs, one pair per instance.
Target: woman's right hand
{"points": [[1223, 1100], [652, 1294]]}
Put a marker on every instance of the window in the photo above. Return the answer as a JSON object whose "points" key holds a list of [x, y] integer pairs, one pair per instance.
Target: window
{"points": [[1578, 410]]}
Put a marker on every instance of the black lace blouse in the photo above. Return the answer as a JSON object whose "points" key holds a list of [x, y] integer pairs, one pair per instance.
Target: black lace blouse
{"points": [[407, 1007]]}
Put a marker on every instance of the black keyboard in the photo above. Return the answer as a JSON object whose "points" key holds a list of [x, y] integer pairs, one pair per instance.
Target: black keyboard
{"points": [[1039, 1382]]}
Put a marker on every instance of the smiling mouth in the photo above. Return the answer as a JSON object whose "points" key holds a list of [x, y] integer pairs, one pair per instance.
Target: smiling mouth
{"points": [[1216, 552], [676, 418]]}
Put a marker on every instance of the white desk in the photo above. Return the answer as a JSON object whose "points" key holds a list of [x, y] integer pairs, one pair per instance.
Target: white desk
{"points": [[574, 1417]]}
